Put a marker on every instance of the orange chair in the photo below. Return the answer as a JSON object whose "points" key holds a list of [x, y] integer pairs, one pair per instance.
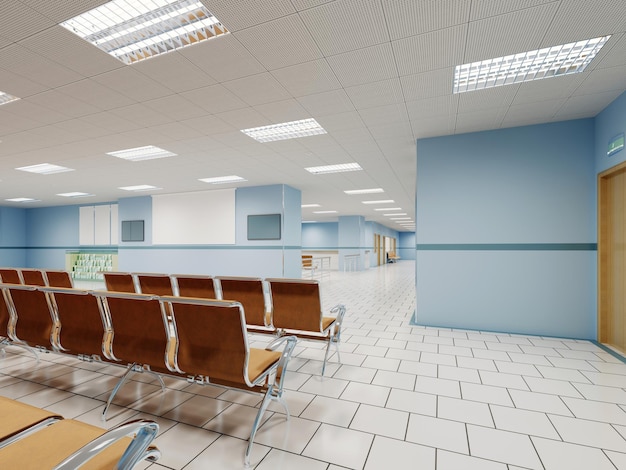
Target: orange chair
{"points": [[249, 292], [33, 277], [58, 279], [202, 287], [119, 282], [156, 284]]}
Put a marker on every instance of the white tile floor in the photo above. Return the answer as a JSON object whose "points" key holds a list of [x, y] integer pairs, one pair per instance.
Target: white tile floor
{"points": [[404, 397]]}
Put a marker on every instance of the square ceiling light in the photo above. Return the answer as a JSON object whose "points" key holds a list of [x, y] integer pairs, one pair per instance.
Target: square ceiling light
{"points": [[223, 179], [134, 30], [45, 169], [285, 130], [340, 168], [6, 98], [527, 66], [148, 152]]}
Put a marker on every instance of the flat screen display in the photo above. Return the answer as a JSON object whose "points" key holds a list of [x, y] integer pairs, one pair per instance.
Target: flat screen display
{"points": [[132, 230], [264, 227]]}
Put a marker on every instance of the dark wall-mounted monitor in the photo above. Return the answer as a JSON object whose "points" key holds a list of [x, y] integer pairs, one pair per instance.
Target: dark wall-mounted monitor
{"points": [[133, 230], [264, 227]]}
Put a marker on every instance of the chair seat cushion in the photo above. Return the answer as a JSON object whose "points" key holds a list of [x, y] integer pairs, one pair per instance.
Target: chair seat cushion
{"points": [[17, 417], [259, 361]]}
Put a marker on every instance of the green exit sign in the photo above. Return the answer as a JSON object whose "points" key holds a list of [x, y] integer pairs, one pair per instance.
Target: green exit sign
{"points": [[615, 144]]}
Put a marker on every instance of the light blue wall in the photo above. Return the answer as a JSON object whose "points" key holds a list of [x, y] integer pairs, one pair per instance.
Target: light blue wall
{"points": [[12, 237], [351, 241], [262, 258], [608, 124], [406, 245], [50, 232], [505, 230], [320, 236]]}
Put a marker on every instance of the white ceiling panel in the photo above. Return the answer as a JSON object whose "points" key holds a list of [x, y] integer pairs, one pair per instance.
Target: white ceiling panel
{"points": [[308, 78], [295, 44], [375, 73], [328, 102], [375, 94], [223, 58], [370, 64], [430, 51], [215, 99], [346, 25], [520, 31], [408, 17], [258, 89], [240, 14]]}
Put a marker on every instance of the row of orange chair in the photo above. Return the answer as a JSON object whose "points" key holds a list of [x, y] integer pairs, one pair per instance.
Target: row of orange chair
{"points": [[36, 277], [204, 341], [274, 305]]}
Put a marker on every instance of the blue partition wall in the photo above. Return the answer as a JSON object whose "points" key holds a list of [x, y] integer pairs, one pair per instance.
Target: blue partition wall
{"points": [[506, 237]]}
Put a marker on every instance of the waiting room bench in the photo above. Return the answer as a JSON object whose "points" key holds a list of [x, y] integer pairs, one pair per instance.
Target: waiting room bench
{"points": [[201, 341], [36, 439]]}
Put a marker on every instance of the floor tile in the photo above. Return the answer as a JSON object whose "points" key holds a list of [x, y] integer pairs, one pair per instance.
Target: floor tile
{"points": [[277, 459], [596, 410], [559, 373], [459, 373], [383, 363], [595, 392], [352, 453], [553, 387], [325, 386], [449, 388], [557, 455], [289, 435], [381, 421], [532, 423], [181, 443], [413, 402], [476, 363], [539, 402], [394, 380], [197, 411], [486, 394], [387, 452], [451, 461], [436, 432], [529, 370], [237, 421], [464, 411], [436, 358], [365, 393], [331, 411], [499, 379], [588, 433], [503, 446], [225, 453]]}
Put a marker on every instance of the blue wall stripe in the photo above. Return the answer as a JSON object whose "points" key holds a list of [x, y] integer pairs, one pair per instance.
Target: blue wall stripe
{"points": [[507, 247]]}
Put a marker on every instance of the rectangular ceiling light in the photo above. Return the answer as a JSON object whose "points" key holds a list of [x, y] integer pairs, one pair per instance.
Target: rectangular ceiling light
{"points": [[320, 170], [527, 66], [365, 191], [389, 209], [148, 152], [75, 194], [22, 199], [134, 30], [381, 201], [394, 214], [305, 206], [324, 212], [44, 169], [285, 130], [223, 179], [139, 187], [6, 98]]}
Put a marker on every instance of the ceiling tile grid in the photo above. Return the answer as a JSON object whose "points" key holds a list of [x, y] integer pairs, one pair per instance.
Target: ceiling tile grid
{"points": [[370, 64], [406, 18], [308, 78]]}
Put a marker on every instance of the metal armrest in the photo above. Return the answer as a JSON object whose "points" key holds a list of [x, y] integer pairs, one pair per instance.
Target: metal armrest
{"points": [[339, 310], [284, 358], [145, 432]]}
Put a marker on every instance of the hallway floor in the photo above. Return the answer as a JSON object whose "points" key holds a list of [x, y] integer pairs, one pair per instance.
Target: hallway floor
{"points": [[403, 397]]}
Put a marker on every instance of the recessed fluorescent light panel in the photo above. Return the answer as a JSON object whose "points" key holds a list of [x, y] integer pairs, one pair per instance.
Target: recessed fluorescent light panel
{"points": [[139, 187], [389, 209], [134, 30], [148, 152], [286, 130], [340, 168], [6, 98], [394, 214], [365, 191], [324, 212], [527, 66], [75, 194], [223, 179], [382, 201], [400, 218], [22, 199], [45, 169], [305, 206]]}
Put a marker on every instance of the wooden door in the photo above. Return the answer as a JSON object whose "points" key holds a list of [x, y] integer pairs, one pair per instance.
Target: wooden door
{"points": [[612, 257]]}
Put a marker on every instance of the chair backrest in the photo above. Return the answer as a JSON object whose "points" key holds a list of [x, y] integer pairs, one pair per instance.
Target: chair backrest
{"points": [[248, 291], [10, 276], [33, 277], [83, 328], [212, 339], [156, 284], [58, 279], [33, 322], [119, 282], [140, 329], [307, 261], [201, 287], [296, 304]]}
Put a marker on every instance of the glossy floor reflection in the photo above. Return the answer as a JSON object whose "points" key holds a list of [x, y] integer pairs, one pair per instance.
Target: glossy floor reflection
{"points": [[403, 397]]}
